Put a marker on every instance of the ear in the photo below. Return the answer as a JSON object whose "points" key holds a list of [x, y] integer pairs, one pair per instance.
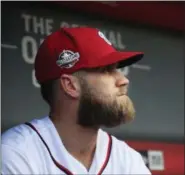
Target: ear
{"points": [[70, 85]]}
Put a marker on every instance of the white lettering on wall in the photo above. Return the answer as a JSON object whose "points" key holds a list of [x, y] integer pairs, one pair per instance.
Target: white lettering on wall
{"points": [[125, 71], [120, 45], [49, 26], [115, 38], [75, 25], [38, 25], [27, 43], [27, 23], [112, 38], [34, 80], [64, 24]]}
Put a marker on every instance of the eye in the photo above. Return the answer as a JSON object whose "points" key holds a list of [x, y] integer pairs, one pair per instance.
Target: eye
{"points": [[111, 69], [108, 69]]}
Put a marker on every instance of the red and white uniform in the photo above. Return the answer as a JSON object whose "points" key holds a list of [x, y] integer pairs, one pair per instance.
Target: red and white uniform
{"points": [[26, 151]]}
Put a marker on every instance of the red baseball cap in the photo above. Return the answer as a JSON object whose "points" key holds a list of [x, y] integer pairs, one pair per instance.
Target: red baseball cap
{"points": [[71, 49]]}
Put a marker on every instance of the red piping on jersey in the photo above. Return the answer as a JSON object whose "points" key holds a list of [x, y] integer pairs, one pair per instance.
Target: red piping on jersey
{"points": [[107, 156], [62, 168], [55, 162]]}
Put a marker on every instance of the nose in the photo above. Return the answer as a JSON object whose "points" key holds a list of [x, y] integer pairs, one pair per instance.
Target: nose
{"points": [[122, 81]]}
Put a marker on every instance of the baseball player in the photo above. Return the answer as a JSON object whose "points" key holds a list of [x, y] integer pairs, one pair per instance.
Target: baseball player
{"points": [[78, 70]]}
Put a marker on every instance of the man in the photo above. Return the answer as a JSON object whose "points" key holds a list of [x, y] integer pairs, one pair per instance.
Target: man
{"points": [[77, 71]]}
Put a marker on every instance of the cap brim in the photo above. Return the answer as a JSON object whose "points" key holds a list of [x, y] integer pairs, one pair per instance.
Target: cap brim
{"points": [[123, 59]]}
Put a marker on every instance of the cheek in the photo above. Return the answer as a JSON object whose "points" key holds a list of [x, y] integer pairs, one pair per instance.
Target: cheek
{"points": [[106, 91], [104, 86], [108, 85]]}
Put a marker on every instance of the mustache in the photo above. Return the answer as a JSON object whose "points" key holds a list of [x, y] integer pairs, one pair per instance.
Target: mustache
{"points": [[123, 91]]}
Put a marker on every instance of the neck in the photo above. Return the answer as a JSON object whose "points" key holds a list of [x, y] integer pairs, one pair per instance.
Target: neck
{"points": [[78, 141]]}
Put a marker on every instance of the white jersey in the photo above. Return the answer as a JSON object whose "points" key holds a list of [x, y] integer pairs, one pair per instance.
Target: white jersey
{"points": [[41, 151]]}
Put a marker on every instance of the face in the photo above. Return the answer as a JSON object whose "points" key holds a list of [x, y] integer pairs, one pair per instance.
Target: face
{"points": [[104, 100]]}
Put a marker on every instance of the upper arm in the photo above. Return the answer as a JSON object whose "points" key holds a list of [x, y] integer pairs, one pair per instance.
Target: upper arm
{"points": [[14, 161]]}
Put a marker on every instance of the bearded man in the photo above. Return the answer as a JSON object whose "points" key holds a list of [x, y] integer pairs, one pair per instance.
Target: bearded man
{"points": [[78, 70]]}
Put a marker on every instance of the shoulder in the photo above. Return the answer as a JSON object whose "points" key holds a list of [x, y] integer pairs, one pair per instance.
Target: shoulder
{"points": [[123, 147], [18, 145], [16, 136], [130, 159], [21, 135], [15, 146], [22, 138]]}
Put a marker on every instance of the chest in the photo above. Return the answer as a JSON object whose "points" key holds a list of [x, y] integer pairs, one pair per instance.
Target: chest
{"points": [[70, 166], [56, 160], [51, 157]]}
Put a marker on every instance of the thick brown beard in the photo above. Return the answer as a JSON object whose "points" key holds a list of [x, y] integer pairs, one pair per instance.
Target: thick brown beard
{"points": [[96, 111], [128, 109]]}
